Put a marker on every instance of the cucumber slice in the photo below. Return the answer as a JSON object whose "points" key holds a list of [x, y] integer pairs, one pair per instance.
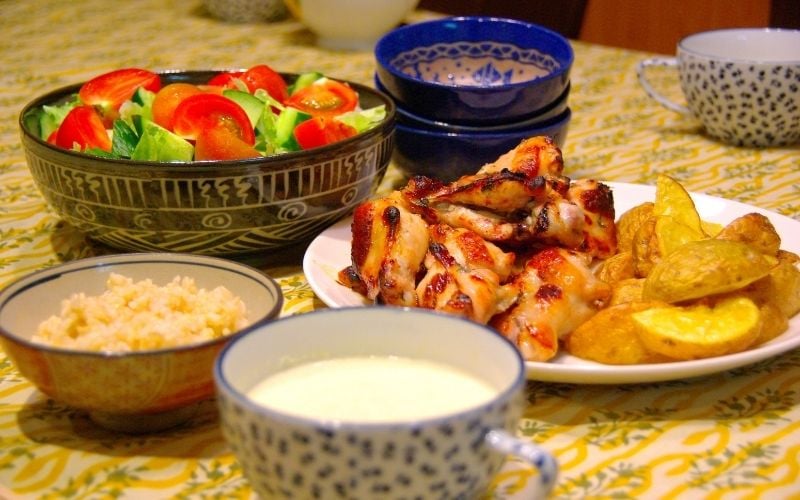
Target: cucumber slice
{"points": [[284, 126], [124, 140], [143, 97], [159, 144], [304, 80], [251, 104]]}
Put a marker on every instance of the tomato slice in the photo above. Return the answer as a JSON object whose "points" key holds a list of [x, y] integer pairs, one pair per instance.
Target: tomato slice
{"points": [[201, 112], [326, 98], [226, 79], [221, 144], [167, 100], [321, 130], [264, 77], [83, 126], [110, 90]]}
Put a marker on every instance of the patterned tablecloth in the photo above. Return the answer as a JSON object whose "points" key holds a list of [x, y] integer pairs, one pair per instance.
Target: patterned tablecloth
{"points": [[728, 435]]}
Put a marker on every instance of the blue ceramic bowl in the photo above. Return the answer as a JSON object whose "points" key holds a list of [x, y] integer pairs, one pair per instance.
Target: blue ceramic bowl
{"points": [[556, 108], [447, 155], [474, 70]]}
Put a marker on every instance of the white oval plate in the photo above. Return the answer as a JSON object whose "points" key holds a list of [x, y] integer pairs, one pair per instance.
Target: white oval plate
{"points": [[330, 252]]}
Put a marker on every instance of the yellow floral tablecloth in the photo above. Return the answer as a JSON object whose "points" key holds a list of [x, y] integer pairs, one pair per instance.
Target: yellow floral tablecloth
{"points": [[728, 436]]}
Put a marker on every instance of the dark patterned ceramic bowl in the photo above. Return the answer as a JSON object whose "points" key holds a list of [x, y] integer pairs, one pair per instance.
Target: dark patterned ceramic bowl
{"points": [[552, 110], [447, 155], [210, 207], [474, 70]]}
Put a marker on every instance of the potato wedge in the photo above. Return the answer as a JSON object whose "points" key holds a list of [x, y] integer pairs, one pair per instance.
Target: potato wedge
{"points": [[754, 229], [616, 268], [629, 290], [645, 248], [630, 222], [674, 201], [672, 234], [711, 228], [773, 323], [781, 286], [706, 267], [611, 337], [700, 331]]}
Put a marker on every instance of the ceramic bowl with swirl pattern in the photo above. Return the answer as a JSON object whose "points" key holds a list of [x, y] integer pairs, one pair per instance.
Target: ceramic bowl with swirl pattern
{"points": [[474, 70], [210, 207]]}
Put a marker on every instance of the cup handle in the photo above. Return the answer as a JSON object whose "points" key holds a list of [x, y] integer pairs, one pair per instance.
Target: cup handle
{"points": [[294, 8], [538, 457], [663, 100]]}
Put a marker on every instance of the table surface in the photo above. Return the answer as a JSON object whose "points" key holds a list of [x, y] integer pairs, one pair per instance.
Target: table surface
{"points": [[728, 435]]}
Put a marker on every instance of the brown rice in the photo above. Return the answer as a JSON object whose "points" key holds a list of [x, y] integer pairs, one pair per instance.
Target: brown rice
{"points": [[135, 316]]}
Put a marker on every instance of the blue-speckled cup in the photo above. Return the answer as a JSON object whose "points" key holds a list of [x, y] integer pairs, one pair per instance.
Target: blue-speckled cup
{"points": [[454, 456]]}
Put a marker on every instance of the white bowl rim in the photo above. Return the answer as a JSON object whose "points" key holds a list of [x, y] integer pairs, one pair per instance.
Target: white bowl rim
{"points": [[683, 44]]}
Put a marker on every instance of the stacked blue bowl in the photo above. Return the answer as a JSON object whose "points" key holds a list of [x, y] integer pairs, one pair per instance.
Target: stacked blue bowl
{"points": [[469, 89]]}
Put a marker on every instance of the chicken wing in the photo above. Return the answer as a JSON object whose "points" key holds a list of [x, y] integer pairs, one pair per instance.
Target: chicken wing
{"points": [[388, 248], [532, 157], [464, 275], [557, 291]]}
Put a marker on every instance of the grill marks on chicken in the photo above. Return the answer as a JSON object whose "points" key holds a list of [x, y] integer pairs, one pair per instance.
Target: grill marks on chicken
{"points": [[556, 292], [510, 246], [522, 200], [465, 275], [389, 245]]}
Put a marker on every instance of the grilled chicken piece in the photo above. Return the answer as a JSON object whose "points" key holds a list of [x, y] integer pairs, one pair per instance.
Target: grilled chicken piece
{"points": [[599, 229], [557, 291], [532, 157], [505, 192], [388, 248], [506, 209], [581, 219], [464, 275]]}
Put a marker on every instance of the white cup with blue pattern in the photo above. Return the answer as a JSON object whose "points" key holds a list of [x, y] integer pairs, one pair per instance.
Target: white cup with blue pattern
{"points": [[452, 455], [742, 84]]}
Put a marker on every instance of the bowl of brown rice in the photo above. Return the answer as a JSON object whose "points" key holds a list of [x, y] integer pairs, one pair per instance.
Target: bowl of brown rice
{"points": [[132, 338]]}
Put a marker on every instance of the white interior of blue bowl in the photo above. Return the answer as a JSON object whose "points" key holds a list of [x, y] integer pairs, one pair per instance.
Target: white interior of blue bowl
{"points": [[474, 52]]}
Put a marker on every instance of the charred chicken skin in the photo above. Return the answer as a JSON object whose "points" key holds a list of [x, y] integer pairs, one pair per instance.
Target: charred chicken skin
{"points": [[510, 246], [557, 291], [389, 245]]}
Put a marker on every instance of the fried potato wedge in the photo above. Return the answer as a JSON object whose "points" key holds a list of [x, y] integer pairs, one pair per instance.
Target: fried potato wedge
{"points": [[773, 322], [612, 337], [711, 228], [629, 290], [781, 286], [700, 331], [645, 248], [754, 229], [672, 234], [674, 201], [616, 268], [629, 223], [706, 267]]}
